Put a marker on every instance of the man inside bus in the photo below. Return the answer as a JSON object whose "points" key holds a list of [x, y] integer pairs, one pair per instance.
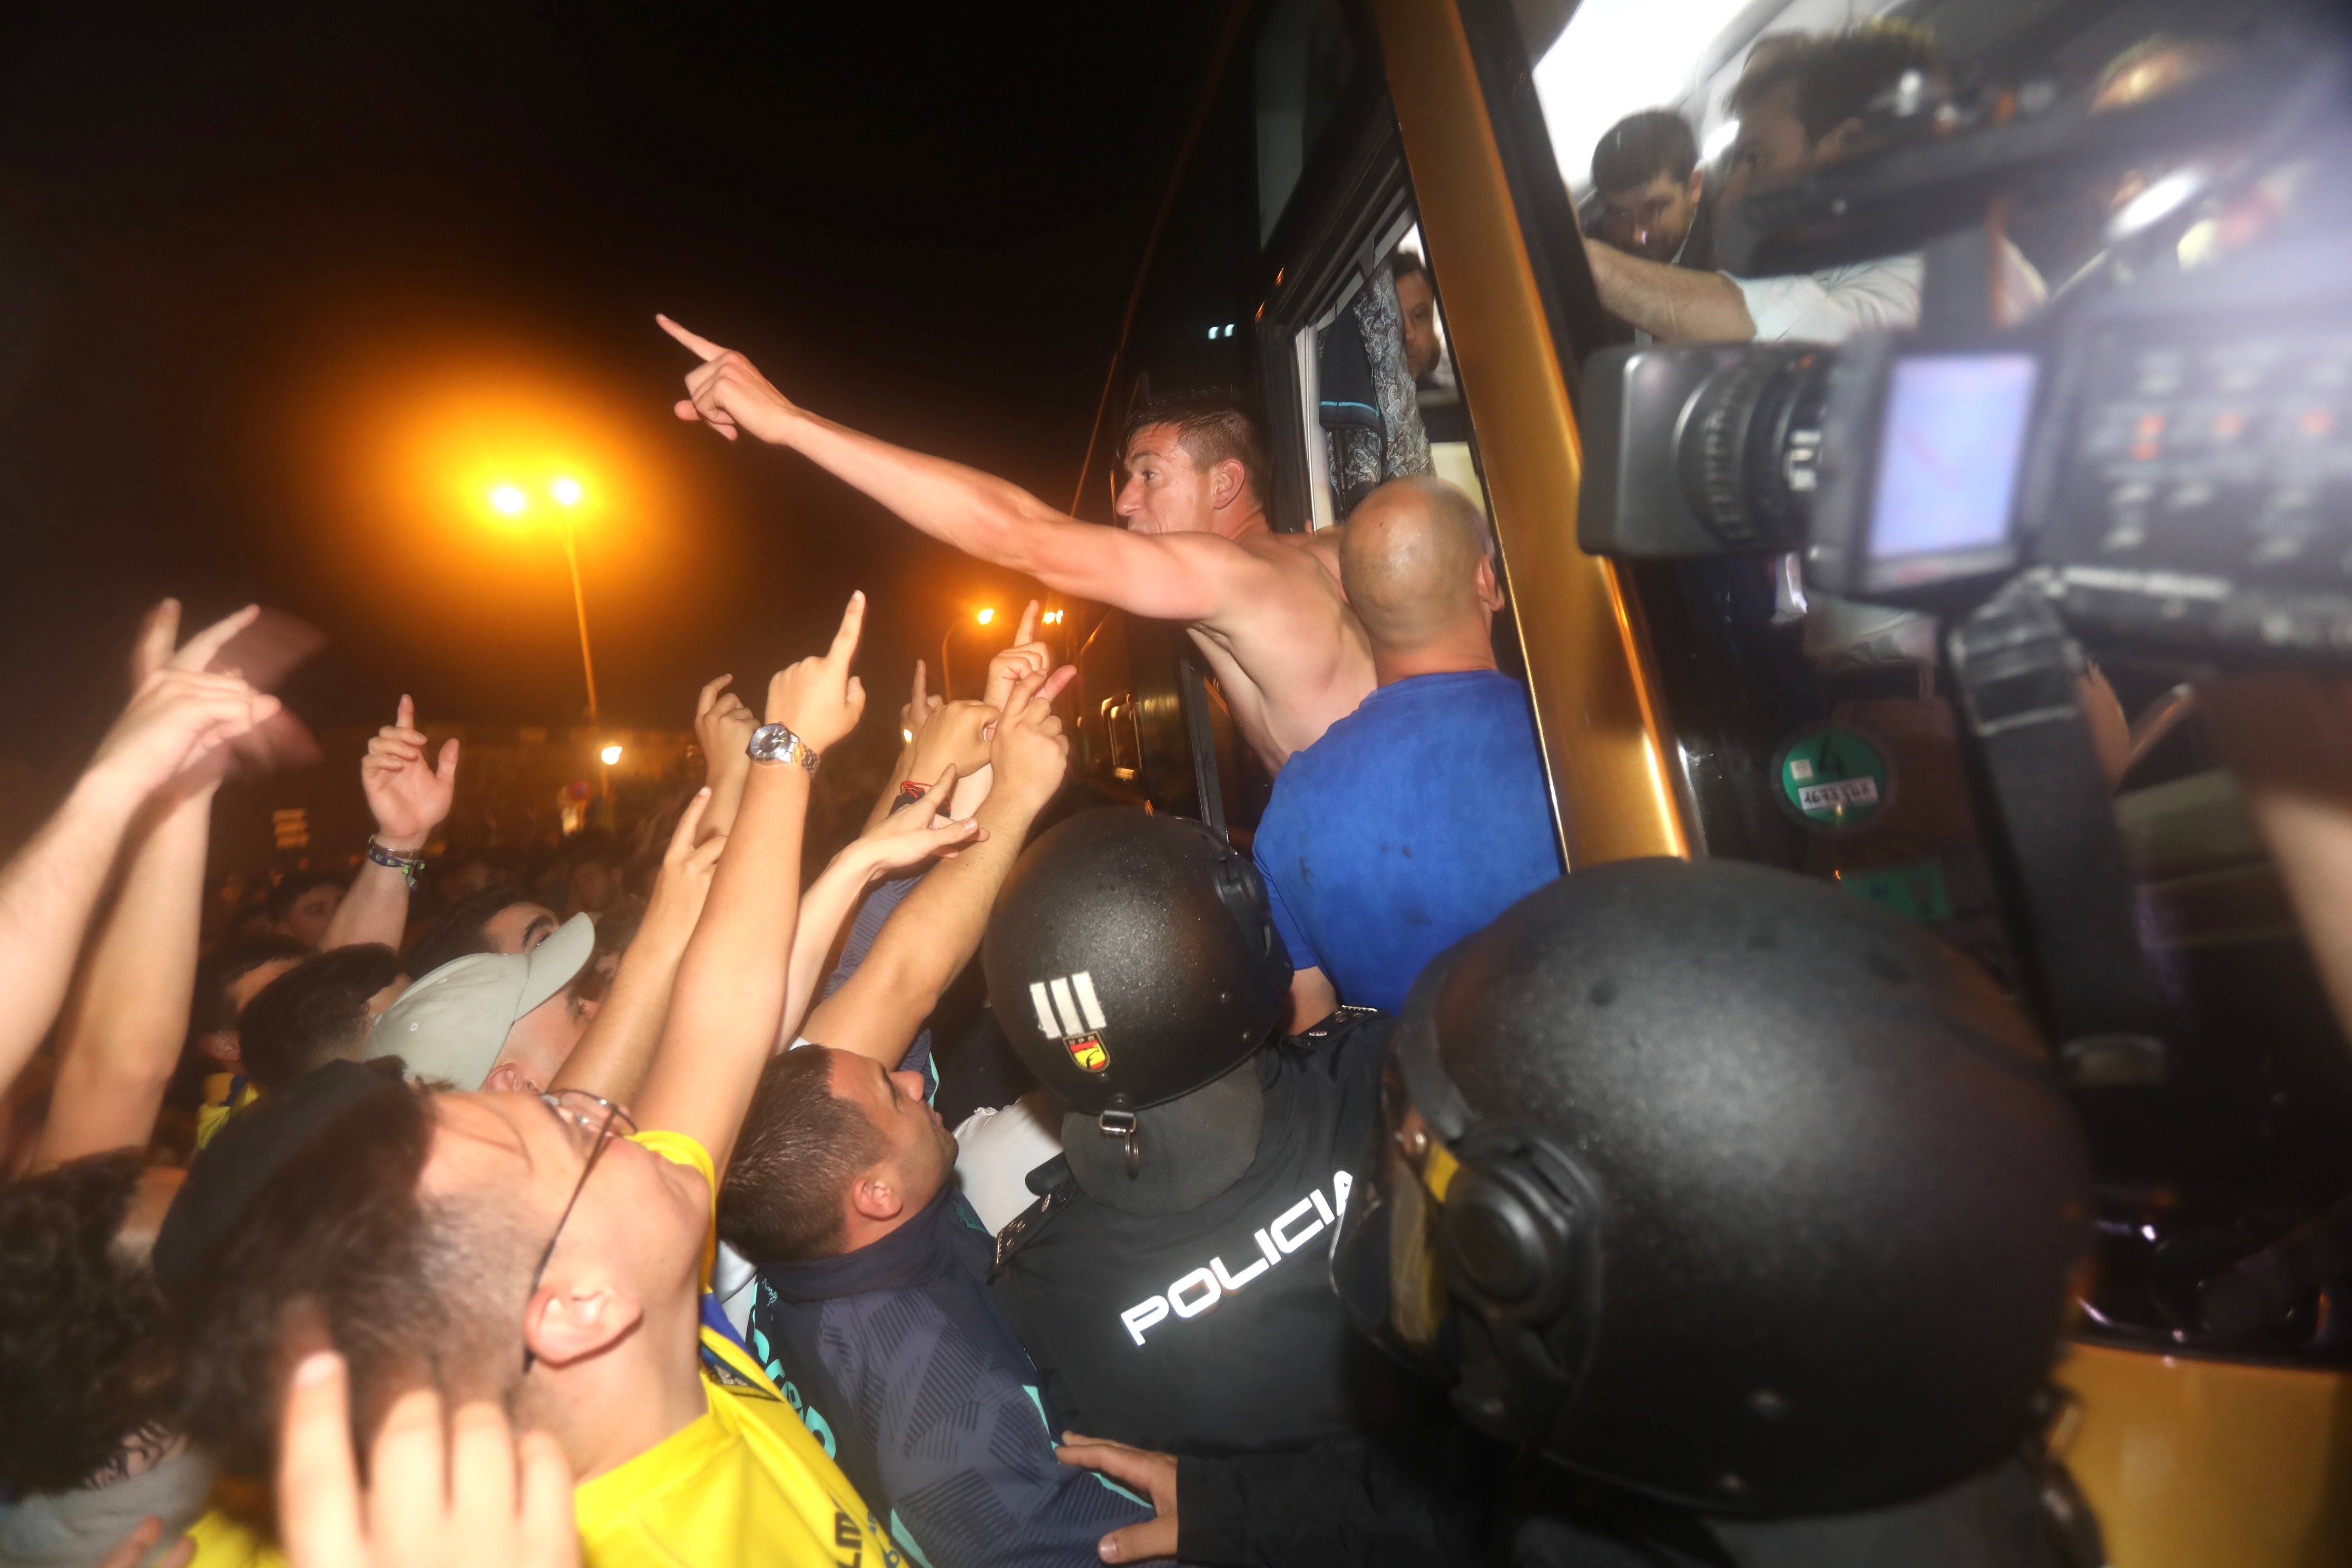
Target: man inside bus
{"points": [[1422, 814], [1647, 172], [1266, 609], [1806, 102]]}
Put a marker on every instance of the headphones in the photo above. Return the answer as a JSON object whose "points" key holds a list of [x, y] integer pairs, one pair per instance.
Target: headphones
{"points": [[1519, 1236]]}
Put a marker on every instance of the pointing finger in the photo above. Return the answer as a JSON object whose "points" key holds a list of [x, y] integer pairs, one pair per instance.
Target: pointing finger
{"points": [[1028, 623], [852, 623], [1058, 682], [407, 715], [700, 344], [710, 690]]}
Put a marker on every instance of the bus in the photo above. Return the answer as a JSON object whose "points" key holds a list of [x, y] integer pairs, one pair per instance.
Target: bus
{"points": [[1377, 234]]}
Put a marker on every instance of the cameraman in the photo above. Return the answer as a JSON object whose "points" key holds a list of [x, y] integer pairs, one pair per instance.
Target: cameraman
{"points": [[1809, 102]]}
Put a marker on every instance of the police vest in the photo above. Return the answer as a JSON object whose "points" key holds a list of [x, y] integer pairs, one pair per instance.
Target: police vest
{"points": [[1216, 1331]]}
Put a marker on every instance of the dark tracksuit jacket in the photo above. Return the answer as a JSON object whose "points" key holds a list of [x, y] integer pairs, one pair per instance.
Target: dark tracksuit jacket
{"points": [[904, 1370]]}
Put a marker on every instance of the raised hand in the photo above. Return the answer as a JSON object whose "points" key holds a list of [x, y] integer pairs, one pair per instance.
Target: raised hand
{"points": [[955, 736], [914, 833], [180, 717], [817, 698], [684, 882], [1138, 1470], [1029, 752], [1025, 657], [726, 393], [480, 1500], [409, 798], [723, 727]]}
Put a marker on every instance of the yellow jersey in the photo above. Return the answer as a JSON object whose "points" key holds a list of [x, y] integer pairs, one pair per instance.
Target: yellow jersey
{"points": [[226, 1094]]}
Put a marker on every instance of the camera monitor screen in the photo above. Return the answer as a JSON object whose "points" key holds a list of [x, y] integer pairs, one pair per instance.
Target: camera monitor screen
{"points": [[1951, 449]]}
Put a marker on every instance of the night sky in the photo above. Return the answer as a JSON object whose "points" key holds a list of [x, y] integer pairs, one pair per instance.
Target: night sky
{"points": [[272, 277]]}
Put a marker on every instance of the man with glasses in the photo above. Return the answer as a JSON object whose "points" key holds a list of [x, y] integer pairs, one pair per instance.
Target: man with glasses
{"points": [[547, 1254]]}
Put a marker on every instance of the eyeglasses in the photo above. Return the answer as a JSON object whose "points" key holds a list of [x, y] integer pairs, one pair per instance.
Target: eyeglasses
{"points": [[592, 1120]]}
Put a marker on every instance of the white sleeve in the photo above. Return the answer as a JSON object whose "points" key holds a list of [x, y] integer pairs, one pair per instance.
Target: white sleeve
{"points": [[996, 1150], [1830, 306]]}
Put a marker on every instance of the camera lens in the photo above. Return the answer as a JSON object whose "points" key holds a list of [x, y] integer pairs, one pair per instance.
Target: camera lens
{"points": [[1748, 442]]}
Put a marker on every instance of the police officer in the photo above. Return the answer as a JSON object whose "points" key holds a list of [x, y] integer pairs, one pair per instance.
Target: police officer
{"points": [[1750, 1208], [1172, 1284]]}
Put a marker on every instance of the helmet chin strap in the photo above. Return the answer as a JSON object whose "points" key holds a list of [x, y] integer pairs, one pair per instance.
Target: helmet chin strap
{"points": [[1201, 1143], [1118, 1121]]}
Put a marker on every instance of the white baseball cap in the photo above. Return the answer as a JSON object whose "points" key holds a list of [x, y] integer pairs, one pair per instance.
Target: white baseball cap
{"points": [[451, 1024]]}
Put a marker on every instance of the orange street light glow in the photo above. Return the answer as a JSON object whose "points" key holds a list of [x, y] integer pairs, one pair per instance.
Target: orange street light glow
{"points": [[611, 755], [565, 490], [986, 616], [509, 500]]}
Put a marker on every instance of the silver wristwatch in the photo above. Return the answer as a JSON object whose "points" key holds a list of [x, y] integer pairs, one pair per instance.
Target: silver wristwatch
{"points": [[774, 743]]}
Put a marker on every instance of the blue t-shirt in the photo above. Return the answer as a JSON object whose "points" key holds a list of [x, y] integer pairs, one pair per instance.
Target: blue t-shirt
{"points": [[1414, 821]]}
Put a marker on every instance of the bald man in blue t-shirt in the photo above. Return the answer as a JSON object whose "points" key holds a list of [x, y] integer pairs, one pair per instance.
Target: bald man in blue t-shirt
{"points": [[1424, 814]]}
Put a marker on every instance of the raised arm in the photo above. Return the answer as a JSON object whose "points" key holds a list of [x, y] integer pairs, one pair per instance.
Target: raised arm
{"points": [[126, 1011], [410, 799], [730, 994], [1674, 304], [1171, 576], [178, 722], [933, 934], [613, 1057], [900, 840], [722, 728]]}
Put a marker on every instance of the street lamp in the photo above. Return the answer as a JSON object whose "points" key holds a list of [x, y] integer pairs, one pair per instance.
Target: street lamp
{"points": [[984, 617], [510, 500]]}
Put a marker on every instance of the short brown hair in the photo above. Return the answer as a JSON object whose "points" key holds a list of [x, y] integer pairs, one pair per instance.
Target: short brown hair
{"points": [[1841, 76], [414, 1293], [1212, 428], [799, 1149], [313, 1013]]}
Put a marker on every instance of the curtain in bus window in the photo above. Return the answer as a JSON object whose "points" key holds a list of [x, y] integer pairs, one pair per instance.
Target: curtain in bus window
{"points": [[1370, 418]]}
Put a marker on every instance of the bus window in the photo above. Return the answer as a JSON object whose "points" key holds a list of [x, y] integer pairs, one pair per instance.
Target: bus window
{"points": [[1305, 60], [1379, 397]]}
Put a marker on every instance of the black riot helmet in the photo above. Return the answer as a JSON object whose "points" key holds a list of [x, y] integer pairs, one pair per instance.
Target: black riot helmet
{"points": [[1130, 958], [1724, 1186]]}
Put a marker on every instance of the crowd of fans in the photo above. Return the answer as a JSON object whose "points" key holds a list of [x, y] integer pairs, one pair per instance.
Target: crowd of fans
{"points": [[315, 1181]]}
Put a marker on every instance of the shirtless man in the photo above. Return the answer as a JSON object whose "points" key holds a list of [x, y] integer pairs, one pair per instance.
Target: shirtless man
{"points": [[1265, 609]]}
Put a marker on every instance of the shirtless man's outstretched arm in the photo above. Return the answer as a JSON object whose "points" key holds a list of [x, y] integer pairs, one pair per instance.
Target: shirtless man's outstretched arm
{"points": [[1266, 609]]}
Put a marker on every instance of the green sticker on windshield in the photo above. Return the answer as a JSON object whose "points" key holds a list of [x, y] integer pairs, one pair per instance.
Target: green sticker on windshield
{"points": [[1835, 778]]}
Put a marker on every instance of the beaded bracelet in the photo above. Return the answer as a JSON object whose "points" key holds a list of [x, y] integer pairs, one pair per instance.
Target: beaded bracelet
{"points": [[407, 865]]}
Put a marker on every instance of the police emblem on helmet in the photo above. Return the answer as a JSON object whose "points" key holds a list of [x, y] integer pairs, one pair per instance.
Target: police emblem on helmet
{"points": [[1068, 1010]]}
